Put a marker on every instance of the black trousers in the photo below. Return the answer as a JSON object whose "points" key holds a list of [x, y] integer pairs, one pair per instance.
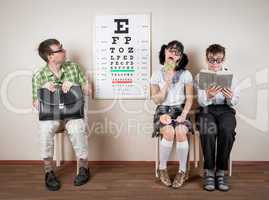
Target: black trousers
{"points": [[216, 124]]}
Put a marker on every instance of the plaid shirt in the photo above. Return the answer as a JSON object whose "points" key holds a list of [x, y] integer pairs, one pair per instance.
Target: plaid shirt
{"points": [[69, 72]]}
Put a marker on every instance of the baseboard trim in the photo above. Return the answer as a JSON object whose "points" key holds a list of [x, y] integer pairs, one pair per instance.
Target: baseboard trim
{"points": [[142, 163]]}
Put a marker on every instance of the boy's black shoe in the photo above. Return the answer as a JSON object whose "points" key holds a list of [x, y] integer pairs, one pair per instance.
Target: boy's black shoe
{"points": [[52, 183], [82, 177]]}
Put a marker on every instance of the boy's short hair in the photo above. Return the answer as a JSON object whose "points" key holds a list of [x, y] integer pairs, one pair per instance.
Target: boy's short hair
{"points": [[214, 49], [44, 49]]}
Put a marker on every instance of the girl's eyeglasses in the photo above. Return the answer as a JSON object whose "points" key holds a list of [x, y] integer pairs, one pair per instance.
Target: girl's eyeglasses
{"points": [[175, 51]]}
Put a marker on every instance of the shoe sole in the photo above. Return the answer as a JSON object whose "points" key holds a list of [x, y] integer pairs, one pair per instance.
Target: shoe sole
{"points": [[52, 188], [209, 190], [166, 184], [222, 190], [82, 183], [177, 187]]}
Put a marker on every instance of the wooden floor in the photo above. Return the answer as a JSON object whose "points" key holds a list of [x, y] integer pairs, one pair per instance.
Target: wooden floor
{"points": [[128, 182]]}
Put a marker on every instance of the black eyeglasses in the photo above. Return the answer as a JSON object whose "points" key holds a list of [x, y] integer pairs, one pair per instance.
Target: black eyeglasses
{"points": [[59, 50], [175, 51], [213, 61]]}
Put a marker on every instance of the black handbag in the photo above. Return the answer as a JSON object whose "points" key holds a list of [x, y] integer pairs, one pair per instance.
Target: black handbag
{"points": [[59, 105]]}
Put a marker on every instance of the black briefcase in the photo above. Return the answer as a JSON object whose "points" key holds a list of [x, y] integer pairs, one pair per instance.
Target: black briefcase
{"points": [[59, 105]]}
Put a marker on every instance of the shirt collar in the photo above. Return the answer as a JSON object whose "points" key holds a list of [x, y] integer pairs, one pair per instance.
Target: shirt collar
{"points": [[47, 71], [50, 73]]}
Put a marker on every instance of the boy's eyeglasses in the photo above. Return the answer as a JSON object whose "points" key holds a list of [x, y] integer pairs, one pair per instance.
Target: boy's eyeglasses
{"points": [[59, 50], [213, 61]]}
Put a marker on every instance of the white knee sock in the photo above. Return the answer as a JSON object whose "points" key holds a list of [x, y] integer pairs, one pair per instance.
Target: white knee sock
{"points": [[165, 150], [182, 154]]}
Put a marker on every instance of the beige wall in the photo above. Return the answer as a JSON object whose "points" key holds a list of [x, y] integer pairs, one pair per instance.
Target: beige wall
{"points": [[240, 25]]}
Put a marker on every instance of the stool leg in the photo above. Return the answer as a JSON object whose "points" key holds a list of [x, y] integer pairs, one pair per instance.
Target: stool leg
{"points": [[57, 155], [188, 159], [77, 166], [157, 160], [230, 166], [59, 151], [195, 151]]}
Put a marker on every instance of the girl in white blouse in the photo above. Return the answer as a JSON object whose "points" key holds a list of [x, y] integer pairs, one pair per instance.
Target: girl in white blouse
{"points": [[172, 92]]}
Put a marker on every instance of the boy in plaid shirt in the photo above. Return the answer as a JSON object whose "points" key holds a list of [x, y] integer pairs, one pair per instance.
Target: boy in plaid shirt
{"points": [[58, 71]]}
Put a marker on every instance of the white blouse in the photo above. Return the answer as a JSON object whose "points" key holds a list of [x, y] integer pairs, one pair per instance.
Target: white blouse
{"points": [[176, 93]]}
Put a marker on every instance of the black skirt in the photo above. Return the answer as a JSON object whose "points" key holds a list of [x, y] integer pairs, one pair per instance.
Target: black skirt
{"points": [[173, 112]]}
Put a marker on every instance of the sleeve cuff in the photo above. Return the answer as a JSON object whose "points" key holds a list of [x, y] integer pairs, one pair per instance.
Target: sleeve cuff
{"points": [[204, 101], [207, 102], [231, 102]]}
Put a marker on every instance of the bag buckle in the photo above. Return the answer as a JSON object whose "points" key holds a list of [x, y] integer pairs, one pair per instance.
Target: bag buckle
{"points": [[61, 106]]}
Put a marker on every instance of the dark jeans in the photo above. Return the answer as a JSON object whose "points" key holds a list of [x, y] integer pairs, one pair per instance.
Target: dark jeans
{"points": [[216, 124]]}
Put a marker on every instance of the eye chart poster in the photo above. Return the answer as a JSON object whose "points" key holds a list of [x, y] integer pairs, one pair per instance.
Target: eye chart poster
{"points": [[122, 48]]}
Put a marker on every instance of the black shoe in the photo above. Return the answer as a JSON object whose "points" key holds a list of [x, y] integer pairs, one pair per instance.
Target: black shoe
{"points": [[52, 183], [209, 183], [222, 183], [82, 177]]}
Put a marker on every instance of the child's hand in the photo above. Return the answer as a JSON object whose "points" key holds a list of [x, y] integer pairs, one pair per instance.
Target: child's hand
{"points": [[165, 119], [228, 93], [66, 86], [50, 86], [213, 91], [35, 104], [181, 118]]}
